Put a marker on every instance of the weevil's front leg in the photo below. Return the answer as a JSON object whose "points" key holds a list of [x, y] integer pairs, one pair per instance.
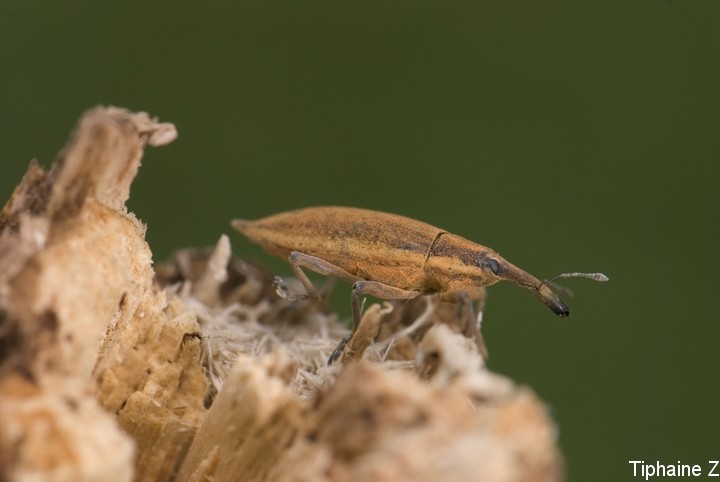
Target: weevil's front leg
{"points": [[475, 324], [374, 288], [298, 261], [473, 327]]}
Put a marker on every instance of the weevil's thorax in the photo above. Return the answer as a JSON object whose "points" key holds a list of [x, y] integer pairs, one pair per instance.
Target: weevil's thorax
{"points": [[456, 263]]}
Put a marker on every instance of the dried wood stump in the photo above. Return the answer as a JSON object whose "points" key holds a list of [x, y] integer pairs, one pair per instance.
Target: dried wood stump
{"points": [[112, 370]]}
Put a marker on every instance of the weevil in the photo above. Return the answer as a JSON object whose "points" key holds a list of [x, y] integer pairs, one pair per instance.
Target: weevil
{"points": [[387, 256]]}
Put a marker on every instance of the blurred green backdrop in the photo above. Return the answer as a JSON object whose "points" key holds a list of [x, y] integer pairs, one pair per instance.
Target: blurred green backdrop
{"points": [[569, 136]]}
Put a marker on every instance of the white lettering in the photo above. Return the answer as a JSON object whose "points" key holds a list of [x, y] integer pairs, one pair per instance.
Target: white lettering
{"points": [[650, 471], [712, 472], [641, 469]]}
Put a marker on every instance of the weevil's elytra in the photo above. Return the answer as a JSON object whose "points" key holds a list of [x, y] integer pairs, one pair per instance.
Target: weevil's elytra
{"points": [[395, 257], [386, 248]]}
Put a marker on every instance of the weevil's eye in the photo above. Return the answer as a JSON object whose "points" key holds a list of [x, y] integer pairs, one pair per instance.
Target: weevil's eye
{"points": [[494, 265]]}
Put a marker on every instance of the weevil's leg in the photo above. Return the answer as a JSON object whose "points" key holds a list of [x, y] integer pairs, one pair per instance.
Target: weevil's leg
{"points": [[379, 290], [473, 327], [284, 292], [298, 261], [339, 349], [374, 288]]}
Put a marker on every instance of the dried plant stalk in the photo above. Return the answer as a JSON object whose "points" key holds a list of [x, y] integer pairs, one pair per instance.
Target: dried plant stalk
{"points": [[74, 263]]}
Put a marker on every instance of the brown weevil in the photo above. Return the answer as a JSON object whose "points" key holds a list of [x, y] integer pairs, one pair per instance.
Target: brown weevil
{"points": [[388, 256]]}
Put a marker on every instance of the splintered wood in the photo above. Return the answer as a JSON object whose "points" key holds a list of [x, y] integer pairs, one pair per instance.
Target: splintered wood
{"points": [[197, 371]]}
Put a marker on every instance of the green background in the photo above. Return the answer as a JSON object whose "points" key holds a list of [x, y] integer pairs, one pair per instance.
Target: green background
{"points": [[568, 136]]}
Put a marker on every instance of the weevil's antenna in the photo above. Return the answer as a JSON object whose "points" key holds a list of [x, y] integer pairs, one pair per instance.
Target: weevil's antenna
{"points": [[567, 291], [592, 276]]}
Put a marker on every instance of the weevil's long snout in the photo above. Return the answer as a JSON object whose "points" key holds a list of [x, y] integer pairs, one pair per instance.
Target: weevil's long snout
{"points": [[541, 290]]}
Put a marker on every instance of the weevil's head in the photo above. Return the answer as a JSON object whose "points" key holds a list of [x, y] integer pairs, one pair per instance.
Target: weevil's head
{"points": [[495, 266], [457, 264]]}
